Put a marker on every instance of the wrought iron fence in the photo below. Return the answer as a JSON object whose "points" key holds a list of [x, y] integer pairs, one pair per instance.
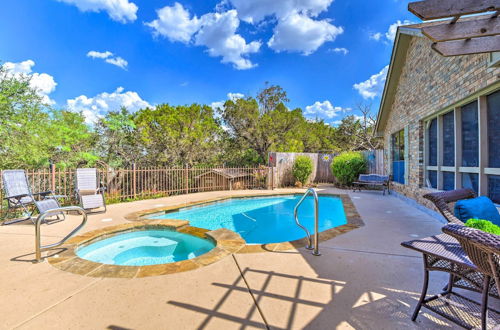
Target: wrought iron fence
{"points": [[141, 183]]}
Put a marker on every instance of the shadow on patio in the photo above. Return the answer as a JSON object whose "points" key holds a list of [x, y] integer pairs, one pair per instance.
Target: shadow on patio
{"points": [[287, 301]]}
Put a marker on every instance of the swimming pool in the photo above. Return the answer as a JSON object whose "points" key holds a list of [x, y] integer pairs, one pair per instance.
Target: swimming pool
{"points": [[263, 220], [145, 247]]}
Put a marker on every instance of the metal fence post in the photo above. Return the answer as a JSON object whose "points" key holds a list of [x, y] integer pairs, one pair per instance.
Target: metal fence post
{"points": [[186, 176], [53, 177], [134, 180]]}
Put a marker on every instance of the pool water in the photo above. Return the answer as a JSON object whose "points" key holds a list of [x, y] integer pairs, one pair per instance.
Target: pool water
{"points": [[145, 247], [263, 220]]}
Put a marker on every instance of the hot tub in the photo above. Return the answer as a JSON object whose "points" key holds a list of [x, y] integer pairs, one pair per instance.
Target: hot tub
{"points": [[145, 247]]}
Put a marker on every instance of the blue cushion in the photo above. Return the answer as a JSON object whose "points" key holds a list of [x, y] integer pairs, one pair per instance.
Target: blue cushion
{"points": [[477, 208]]}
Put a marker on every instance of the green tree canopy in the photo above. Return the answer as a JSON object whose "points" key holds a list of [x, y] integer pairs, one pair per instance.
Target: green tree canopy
{"points": [[179, 134]]}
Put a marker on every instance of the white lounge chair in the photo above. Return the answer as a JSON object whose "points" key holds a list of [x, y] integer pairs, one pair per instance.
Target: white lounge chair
{"points": [[89, 192]]}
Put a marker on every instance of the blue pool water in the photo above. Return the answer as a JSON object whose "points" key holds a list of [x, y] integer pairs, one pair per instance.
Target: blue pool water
{"points": [[263, 220], [145, 247]]}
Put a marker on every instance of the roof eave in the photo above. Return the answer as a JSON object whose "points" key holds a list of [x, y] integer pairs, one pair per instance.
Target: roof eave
{"points": [[401, 43]]}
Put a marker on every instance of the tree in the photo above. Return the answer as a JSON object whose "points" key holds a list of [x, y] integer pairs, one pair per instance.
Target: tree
{"points": [[270, 97], [319, 136], [118, 144], [273, 130], [179, 135], [71, 140], [356, 133], [24, 125]]}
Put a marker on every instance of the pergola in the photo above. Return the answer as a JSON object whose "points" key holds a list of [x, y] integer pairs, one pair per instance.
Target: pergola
{"points": [[457, 35]]}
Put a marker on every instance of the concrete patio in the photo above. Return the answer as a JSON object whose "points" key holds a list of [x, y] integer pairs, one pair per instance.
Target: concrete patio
{"points": [[364, 279]]}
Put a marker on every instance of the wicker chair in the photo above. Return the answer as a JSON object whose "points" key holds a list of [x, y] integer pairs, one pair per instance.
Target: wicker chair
{"points": [[483, 249], [441, 200]]}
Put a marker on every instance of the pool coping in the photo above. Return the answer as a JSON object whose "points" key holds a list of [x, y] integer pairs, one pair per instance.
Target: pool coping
{"points": [[226, 241], [354, 220]]}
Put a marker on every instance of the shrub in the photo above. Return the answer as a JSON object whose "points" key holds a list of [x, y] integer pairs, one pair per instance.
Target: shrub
{"points": [[483, 225], [347, 167], [302, 169]]}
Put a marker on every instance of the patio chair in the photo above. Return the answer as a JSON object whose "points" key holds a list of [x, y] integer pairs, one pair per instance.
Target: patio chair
{"points": [[19, 196], [441, 200], [444, 253], [373, 180], [89, 192], [483, 249]]}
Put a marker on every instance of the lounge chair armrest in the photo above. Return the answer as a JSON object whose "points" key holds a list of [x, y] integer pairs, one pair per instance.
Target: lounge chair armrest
{"points": [[44, 193], [16, 196]]}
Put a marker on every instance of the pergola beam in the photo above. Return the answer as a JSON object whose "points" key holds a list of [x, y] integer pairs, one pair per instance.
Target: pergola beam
{"points": [[468, 46], [434, 9], [463, 29]]}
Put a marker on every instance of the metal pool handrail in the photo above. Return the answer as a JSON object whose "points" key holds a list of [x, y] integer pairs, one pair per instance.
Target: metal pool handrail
{"points": [[42, 217], [316, 221]]}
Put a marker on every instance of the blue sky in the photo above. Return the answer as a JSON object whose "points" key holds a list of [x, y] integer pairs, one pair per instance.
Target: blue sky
{"points": [[95, 55]]}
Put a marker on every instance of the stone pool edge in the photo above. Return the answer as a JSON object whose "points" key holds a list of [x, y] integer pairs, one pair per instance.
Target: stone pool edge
{"points": [[354, 221], [226, 243]]}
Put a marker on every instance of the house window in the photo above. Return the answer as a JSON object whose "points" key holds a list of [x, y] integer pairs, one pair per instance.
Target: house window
{"points": [[449, 139], [470, 135], [494, 187], [471, 181], [398, 156], [455, 157], [448, 180], [493, 110]]}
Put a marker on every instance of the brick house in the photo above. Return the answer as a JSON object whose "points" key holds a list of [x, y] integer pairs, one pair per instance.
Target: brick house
{"points": [[440, 119]]}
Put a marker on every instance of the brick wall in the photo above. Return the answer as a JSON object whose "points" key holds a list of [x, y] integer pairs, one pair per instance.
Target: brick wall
{"points": [[429, 83]]}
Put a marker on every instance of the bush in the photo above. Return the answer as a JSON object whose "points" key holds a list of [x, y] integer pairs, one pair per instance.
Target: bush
{"points": [[302, 169], [483, 225], [347, 167]]}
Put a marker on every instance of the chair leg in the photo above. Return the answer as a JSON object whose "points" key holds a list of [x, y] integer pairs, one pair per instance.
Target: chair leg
{"points": [[422, 295], [484, 305]]}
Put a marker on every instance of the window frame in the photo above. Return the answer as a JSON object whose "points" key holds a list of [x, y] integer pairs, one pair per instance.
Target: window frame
{"points": [[483, 170]]}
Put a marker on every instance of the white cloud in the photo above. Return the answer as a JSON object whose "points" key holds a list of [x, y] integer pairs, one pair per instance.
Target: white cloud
{"points": [[390, 35], [235, 96], [216, 31], [118, 61], [219, 105], [43, 83], [374, 86], [376, 36], [300, 33], [216, 106], [96, 107], [96, 54], [119, 10], [218, 34], [323, 110], [175, 23], [110, 58], [342, 50], [296, 30], [257, 10], [393, 28]]}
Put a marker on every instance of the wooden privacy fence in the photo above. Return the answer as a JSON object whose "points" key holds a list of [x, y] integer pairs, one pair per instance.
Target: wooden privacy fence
{"points": [[136, 183], [322, 173], [375, 160], [283, 163]]}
